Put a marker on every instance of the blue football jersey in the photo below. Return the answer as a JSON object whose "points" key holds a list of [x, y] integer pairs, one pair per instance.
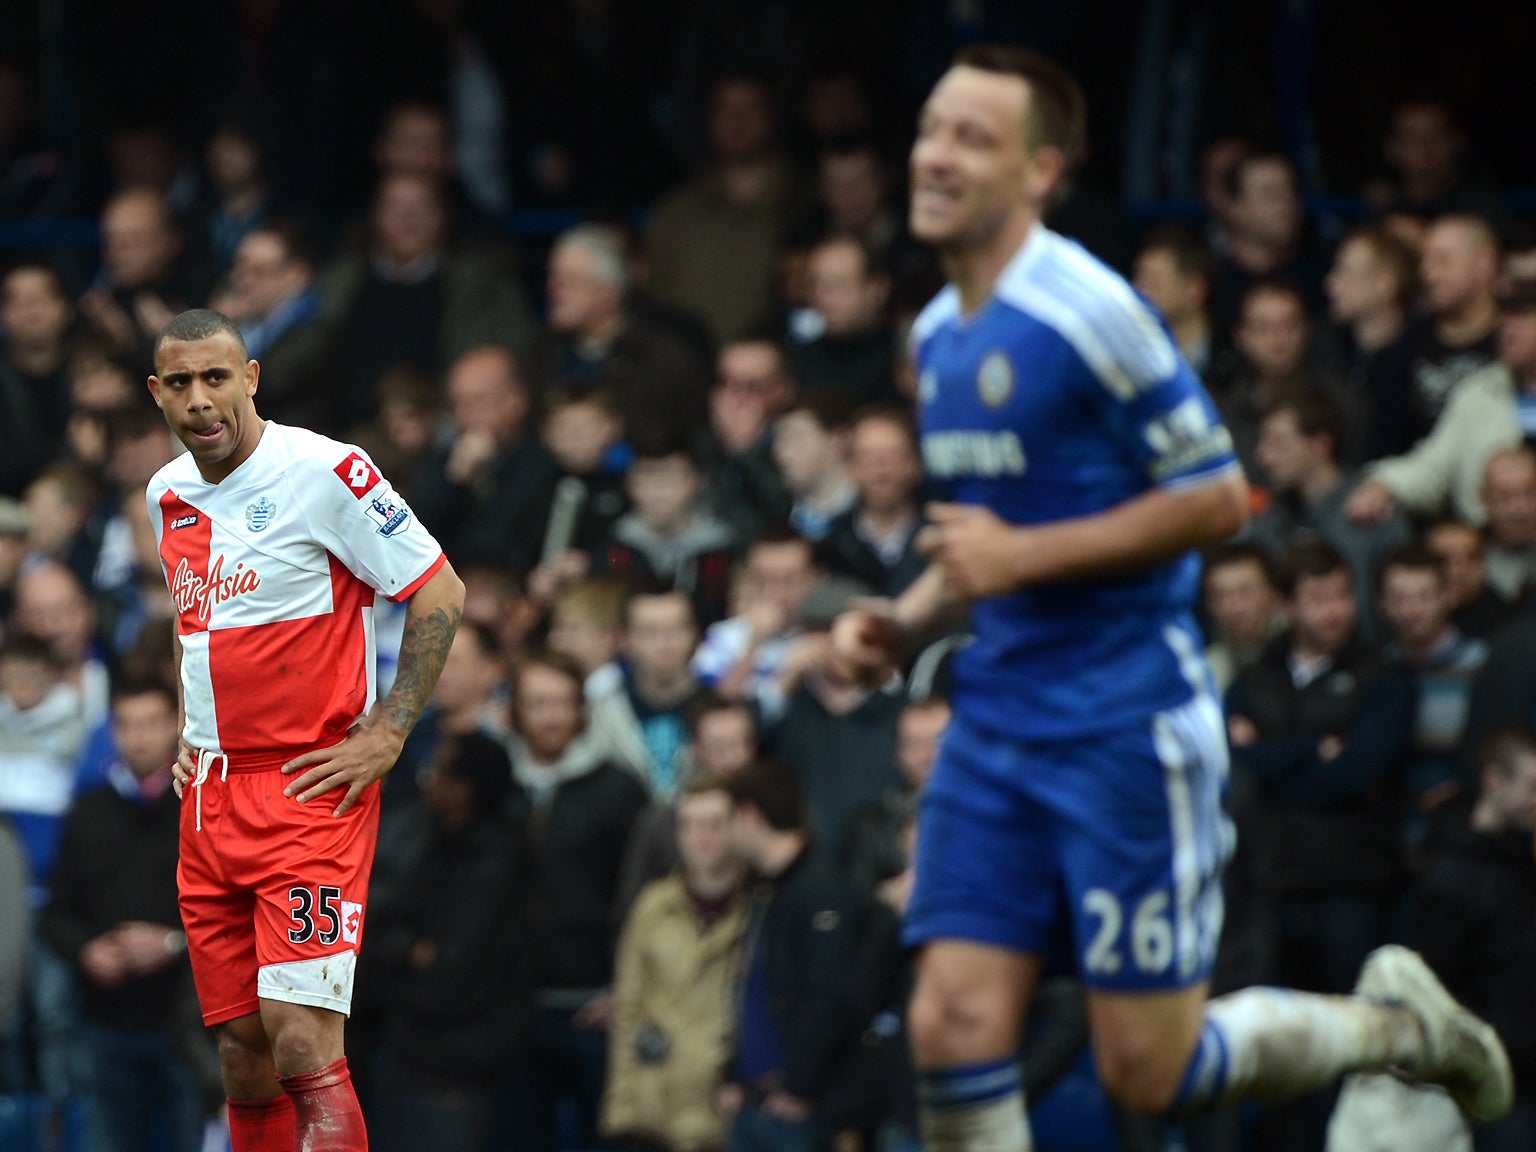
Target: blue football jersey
{"points": [[1062, 396]]}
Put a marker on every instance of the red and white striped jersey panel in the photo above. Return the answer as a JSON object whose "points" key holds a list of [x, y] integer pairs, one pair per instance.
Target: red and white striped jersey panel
{"points": [[273, 572]]}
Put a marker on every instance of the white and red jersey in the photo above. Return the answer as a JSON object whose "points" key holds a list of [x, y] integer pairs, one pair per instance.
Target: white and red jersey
{"points": [[274, 571]]}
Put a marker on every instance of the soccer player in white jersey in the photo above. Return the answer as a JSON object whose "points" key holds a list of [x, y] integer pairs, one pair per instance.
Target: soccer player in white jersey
{"points": [[1076, 797], [275, 543]]}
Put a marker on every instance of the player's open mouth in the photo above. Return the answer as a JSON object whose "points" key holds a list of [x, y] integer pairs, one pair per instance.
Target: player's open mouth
{"points": [[210, 433]]}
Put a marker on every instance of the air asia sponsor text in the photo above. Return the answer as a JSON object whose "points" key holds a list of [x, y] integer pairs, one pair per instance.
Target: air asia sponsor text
{"points": [[195, 594]]}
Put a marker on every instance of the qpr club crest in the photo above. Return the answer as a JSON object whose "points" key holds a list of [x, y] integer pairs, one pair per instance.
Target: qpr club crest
{"points": [[994, 380], [389, 512], [259, 514]]}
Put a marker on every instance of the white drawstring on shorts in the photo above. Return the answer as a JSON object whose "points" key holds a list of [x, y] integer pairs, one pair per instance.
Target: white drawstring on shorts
{"points": [[205, 759]]}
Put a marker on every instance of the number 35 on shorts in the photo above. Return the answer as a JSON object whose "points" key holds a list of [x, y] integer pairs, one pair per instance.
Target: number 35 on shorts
{"points": [[1147, 941], [320, 913]]}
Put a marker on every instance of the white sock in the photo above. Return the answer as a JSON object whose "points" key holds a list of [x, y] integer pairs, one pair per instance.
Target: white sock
{"points": [[1280, 1044], [974, 1109]]}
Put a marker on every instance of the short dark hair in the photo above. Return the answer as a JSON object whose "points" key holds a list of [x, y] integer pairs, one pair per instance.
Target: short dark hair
{"points": [[887, 412], [1393, 254], [294, 238], [1058, 111], [25, 646], [1273, 286], [54, 276], [774, 790], [831, 410], [1186, 247], [660, 439], [483, 635], [776, 533], [1415, 557], [572, 395], [556, 662], [481, 762], [198, 324], [1310, 561], [1316, 412], [1231, 553], [1239, 171], [124, 687], [647, 587], [713, 704]]}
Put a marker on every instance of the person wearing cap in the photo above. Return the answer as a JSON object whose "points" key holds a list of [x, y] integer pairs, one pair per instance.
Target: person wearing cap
{"points": [[1491, 410]]}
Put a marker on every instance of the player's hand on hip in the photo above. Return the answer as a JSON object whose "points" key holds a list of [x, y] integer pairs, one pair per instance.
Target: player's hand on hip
{"points": [[977, 549], [185, 768], [369, 751]]}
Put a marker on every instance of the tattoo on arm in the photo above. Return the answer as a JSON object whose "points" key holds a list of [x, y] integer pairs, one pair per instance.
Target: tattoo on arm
{"points": [[423, 650]]}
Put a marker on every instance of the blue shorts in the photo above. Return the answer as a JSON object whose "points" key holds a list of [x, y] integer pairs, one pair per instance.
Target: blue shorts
{"points": [[1115, 842]]}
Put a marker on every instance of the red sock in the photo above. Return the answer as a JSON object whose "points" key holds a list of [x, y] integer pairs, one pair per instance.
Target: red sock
{"points": [[263, 1125], [330, 1119]]}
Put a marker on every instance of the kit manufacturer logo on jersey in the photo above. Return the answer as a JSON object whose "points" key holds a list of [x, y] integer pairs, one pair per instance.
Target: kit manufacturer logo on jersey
{"points": [[357, 474], [197, 594], [994, 380], [184, 521], [259, 514], [389, 512]]}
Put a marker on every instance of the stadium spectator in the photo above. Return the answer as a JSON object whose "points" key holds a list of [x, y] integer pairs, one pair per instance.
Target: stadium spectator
{"points": [[14, 529], [1244, 605], [273, 297], [112, 914], [486, 492], [753, 387], [810, 447], [671, 536], [36, 314], [595, 338], [42, 728], [235, 199], [404, 435], [416, 138], [1415, 602], [586, 623], [137, 594], [143, 281], [847, 345], [409, 298], [853, 198], [875, 541], [1323, 727], [1272, 337], [1509, 495], [1488, 411], [1474, 916], [641, 720], [673, 989], [1426, 148], [795, 993], [1298, 452], [578, 810], [712, 244], [52, 606], [838, 735], [494, 597], [102, 383], [741, 657], [1476, 609], [880, 840], [59, 502], [35, 180], [448, 933], [1459, 270], [1371, 288], [1265, 237], [1175, 270], [582, 430]]}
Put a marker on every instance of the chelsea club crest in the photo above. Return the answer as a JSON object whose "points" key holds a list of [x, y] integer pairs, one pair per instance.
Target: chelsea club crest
{"points": [[994, 380], [259, 514]]}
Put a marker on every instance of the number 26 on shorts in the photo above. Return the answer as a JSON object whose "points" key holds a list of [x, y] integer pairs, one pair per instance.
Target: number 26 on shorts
{"points": [[1151, 934]]}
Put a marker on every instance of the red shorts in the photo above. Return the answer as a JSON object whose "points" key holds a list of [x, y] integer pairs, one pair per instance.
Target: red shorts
{"points": [[272, 891]]}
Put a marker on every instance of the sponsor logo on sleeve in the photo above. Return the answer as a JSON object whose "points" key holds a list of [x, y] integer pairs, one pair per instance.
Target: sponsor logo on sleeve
{"points": [[389, 512], [1183, 439], [357, 474], [351, 921]]}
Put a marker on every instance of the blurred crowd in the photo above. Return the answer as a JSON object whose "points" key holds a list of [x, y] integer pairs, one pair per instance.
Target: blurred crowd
{"points": [[642, 862]]}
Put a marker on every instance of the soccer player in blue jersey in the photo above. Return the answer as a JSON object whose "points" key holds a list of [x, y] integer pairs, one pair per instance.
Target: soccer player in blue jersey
{"points": [[1077, 799]]}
